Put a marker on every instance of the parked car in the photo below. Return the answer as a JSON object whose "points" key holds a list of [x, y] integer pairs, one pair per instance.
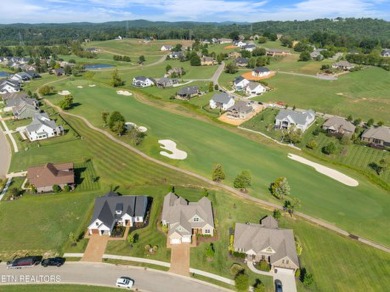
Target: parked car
{"points": [[57, 261], [24, 262], [124, 282], [278, 286]]}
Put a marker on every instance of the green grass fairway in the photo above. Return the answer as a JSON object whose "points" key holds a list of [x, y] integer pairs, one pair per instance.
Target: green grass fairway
{"points": [[363, 94], [207, 145], [55, 288]]}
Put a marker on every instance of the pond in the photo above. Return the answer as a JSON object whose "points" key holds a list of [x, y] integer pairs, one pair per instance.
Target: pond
{"points": [[3, 74], [97, 66]]}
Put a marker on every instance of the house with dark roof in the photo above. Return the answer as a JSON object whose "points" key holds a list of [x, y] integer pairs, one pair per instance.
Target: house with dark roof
{"points": [[343, 65], [42, 127], [111, 210], [240, 83], [16, 98], [175, 72], [221, 100], [261, 72], [287, 119], [188, 92], [249, 47], [45, 176], [241, 62], [24, 107], [9, 86], [176, 55], [385, 53], [58, 71], [316, 54], [339, 125], [377, 136], [266, 241], [185, 219], [142, 81], [240, 110], [21, 77]]}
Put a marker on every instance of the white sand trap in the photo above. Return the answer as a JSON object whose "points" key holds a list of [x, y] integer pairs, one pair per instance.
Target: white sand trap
{"points": [[130, 125], [64, 92], [124, 92], [79, 86], [171, 146], [142, 129], [334, 174], [92, 85]]}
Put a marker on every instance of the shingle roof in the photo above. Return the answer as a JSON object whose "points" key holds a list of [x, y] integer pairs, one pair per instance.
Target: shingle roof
{"points": [[298, 117], [51, 174], [188, 90], [39, 120], [241, 107], [221, 98], [339, 123], [261, 69], [252, 85], [380, 133]]}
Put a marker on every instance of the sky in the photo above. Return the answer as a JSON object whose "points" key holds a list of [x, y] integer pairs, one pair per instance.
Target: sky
{"points": [[63, 11]]}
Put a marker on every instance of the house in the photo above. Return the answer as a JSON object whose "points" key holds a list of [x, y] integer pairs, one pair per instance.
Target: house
{"points": [[33, 74], [286, 119], [176, 55], [254, 88], [207, 61], [142, 81], [9, 86], [249, 47], [222, 101], [385, 53], [42, 127], [339, 125], [240, 110], [277, 52], [240, 44], [166, 48], [188, 92], [25, 111], [343, 65], [379, 136], [92, 50], [21, 77], [234, 55], [14, 99], [176, 71], [266, 241], [241, 62], [58, 71], [261, 72], [111, 210], [45, 176], [240, 83], [185, 219], [166, 82], [225, 41], [316, 54]]}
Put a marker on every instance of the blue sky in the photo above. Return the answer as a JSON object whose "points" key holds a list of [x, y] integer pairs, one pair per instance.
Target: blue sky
{"points": [[61, 11]]}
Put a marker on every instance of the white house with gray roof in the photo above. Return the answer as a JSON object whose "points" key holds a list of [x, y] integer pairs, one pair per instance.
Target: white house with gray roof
{"points": [[240, 110], [9, 86], [185, 219], [240, 83], [261, 72], [287, 119], [112, 209], [254, 88], [42, 127], [222, 101], [265, 241], [142, 81]]}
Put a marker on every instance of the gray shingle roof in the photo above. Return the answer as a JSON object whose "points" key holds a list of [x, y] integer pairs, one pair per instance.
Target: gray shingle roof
{"points": [[40, 119], [188, 90], [252, 85], [339, 123], [380, 133], [298, 117], [241, 107], [221, 97], [261, 69]]}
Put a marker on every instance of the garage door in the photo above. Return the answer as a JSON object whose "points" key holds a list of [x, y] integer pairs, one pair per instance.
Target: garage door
{"points": [[175, 241], [95, 231], [285, 271]]}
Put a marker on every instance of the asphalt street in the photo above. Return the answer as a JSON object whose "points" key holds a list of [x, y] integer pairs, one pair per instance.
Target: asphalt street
{"points": [[101, 274]]}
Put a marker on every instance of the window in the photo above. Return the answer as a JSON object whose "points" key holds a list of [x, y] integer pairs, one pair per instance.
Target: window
{"points": [[287, 261], [196, 219], [207, 231], [282, 261]]}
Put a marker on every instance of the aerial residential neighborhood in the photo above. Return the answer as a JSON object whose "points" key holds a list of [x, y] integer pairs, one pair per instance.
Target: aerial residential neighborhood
{"points": [[230, 146]]}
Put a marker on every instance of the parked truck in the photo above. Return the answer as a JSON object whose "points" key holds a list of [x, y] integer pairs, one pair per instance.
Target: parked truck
{"points": [[24, 262]]}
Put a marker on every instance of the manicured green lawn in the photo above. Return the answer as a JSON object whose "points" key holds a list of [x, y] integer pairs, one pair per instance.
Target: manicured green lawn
{"points": [[54, 288], [207, 144], [362, 94]]}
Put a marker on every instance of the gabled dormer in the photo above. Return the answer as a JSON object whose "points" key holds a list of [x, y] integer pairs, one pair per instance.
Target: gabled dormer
{"points": [[196, 218], [269, 250]]}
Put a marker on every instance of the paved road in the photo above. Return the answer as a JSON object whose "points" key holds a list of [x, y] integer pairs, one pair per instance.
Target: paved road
{"points": [[104, 275], [5, 155]]}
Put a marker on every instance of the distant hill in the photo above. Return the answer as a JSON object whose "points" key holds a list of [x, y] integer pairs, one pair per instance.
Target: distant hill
{"points": [[353, 30]]}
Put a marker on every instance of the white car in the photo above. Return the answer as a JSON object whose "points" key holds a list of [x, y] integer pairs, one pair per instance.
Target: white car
{"points": [[124, 282]]}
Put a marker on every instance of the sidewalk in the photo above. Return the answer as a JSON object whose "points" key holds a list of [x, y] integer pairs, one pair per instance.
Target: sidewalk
{"points": [[7, 131]]}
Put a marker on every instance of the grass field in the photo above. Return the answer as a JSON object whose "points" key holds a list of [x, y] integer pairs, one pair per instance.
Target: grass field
{"points": [[363, 94], [55, 288]]}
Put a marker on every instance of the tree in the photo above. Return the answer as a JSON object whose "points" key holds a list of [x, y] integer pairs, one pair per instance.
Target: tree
{"points": [[259, 52], [307, 278], [242, 180], [304, 56], [72, 239], [370, 122], [168, 67], [291, 205], [280, 188], [218, 173], [116, 80], [211, 87], [56, 188], [380, 123], [115, 117], [276, 214], [312, 144], [66, 188], [195, 60], [67, 70], [231, 68], [242, 281], [357, 121], [210, 251], [384, 164], [329, 148], [141, 59], [119, 128], [15, 192], [67, 102], [105, 117], [46, 90]]}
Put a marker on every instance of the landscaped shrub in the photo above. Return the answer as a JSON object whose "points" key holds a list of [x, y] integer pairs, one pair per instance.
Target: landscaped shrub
{"points": [[56, 188], [263, 265], [236, 268], [66, 188], [242, 282]]}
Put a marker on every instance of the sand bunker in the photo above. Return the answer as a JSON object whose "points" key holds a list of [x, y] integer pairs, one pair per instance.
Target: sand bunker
{"points": [[92, 85], [334, 174], [124, 92], [79, 86], [129, 126], [142, 129], [171, 146], [64, 92]]}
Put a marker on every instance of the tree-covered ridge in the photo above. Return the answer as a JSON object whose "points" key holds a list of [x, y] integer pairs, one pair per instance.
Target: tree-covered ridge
{"points": [[350, 31]]}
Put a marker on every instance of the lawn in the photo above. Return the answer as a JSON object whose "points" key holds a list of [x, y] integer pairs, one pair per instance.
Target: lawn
{"points": [[208, 144], [56, 287], [362, 94]]}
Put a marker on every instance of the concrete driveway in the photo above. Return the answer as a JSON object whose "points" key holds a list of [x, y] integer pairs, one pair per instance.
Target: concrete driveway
{"points": [[5, 155], [95, 249], [287, 277], [180, 259]]}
